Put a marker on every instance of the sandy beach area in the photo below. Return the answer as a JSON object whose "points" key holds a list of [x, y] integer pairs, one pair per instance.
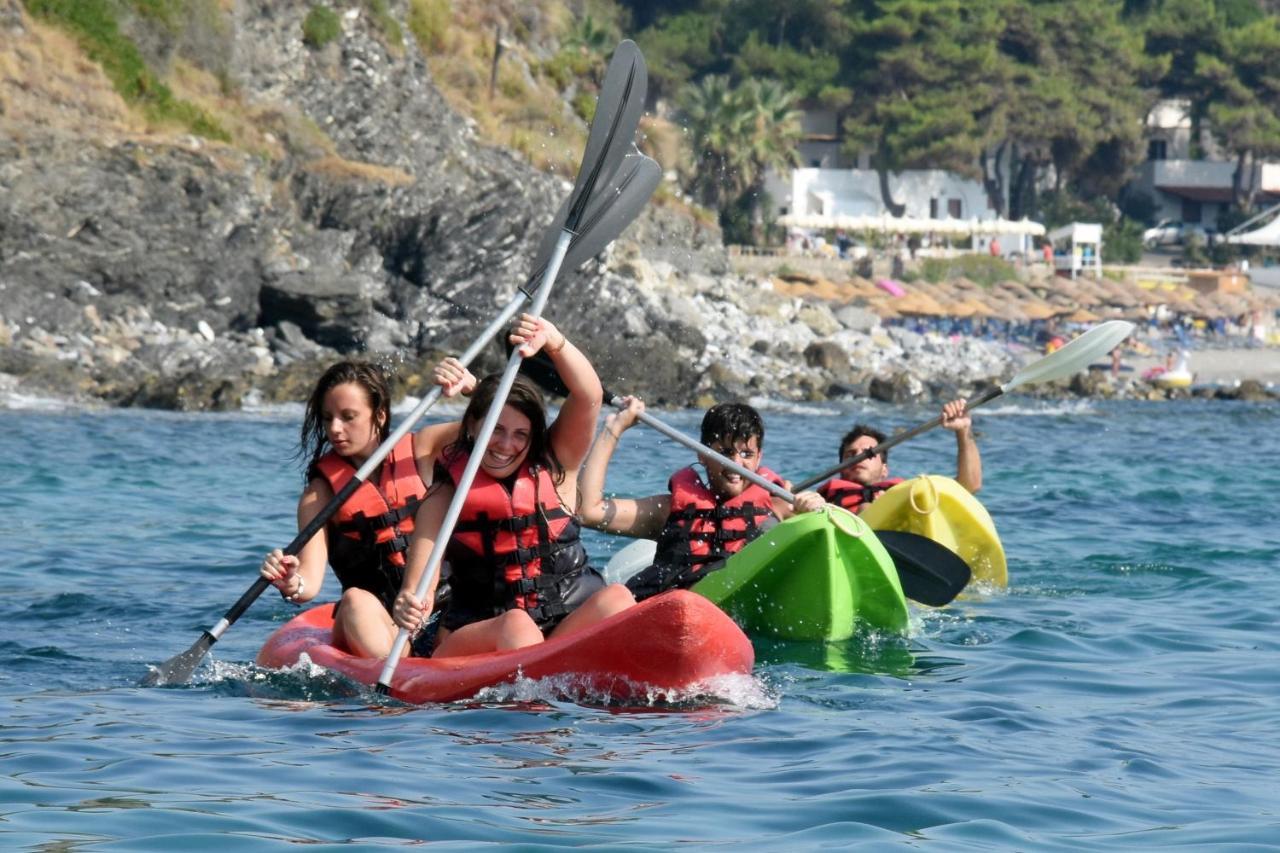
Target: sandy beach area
{"points": [[1224, 366]]}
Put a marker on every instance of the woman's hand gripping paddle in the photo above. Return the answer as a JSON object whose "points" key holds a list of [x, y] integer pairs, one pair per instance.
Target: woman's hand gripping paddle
{"points": [[610, 138], [609, 208]]}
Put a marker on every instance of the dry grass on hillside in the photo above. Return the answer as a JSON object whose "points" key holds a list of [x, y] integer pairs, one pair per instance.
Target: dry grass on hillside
{"points": [[336, 168], [47, 84]]}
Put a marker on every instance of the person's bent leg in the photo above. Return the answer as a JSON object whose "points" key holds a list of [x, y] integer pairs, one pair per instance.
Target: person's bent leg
{"points": [[514, 629], [363, 626], [604, 603]]}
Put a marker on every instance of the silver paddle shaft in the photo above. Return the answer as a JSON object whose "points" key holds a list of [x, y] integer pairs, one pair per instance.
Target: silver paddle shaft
{"points": [[473, 463]]}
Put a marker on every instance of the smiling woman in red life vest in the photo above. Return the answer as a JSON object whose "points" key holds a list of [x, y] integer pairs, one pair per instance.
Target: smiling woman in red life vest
{"points": [[518, 571], [860, 484], [348, 416], [699, 522]]}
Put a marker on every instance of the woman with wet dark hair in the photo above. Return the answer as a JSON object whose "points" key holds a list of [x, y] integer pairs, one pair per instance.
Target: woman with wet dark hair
{"points": [[348, 417], [518, 571]]}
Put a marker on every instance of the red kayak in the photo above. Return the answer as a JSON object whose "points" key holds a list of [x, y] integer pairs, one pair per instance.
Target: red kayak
{"points": [[669, 644]]}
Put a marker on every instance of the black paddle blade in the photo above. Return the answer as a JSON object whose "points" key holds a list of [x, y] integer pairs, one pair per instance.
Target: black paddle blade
{"points": [[178, 669], [612, 128], [930, 573], [611, 208]]}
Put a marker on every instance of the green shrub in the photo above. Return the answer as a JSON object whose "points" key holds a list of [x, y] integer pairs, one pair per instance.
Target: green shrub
{"points": [[94, 24], [584, 105], [380, 13], [320, 27], [980, 269], [1122, 241], [429, 22]]}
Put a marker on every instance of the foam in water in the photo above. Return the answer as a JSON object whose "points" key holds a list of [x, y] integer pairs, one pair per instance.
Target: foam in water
{"points": [[1054, 407], [771, 404], [739, 691], [19, 402]]}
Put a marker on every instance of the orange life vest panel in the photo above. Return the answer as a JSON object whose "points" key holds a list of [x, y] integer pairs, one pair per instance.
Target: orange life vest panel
{"points": [[852, 495], [374, 524], [512, 549], [703, 528]]}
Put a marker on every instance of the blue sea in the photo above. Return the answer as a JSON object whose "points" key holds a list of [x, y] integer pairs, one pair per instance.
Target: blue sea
{"points": [[1123, 693]]}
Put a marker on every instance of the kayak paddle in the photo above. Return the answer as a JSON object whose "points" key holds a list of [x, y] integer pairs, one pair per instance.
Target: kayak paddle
{"points": [[929, 572], [1068, 360], [611, 136], [608, 210]]}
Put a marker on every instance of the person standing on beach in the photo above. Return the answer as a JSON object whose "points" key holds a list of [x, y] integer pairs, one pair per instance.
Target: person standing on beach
{"points": [[860, 484]]}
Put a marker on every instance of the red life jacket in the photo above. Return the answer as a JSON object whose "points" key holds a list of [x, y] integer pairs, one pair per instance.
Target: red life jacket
{"points": [[374, 524], [851, 495], [513, 549], [704, 528]]}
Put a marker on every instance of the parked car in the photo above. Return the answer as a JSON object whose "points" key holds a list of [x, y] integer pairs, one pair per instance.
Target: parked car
{"points": [[1173, 232]]}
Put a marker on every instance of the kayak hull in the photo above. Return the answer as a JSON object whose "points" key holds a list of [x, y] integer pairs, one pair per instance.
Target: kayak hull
{"points": [[815, 577], [670, 644], [945, 511]]}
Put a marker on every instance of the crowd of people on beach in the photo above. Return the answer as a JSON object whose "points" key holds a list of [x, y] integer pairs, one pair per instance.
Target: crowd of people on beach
{"points": [[517, 570]]}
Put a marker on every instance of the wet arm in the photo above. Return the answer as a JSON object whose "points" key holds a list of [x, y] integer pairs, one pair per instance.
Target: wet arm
{"points": [[644, 517]]}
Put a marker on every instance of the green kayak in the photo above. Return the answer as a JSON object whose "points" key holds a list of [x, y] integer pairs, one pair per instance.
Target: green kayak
{"points": [[814, 576]]}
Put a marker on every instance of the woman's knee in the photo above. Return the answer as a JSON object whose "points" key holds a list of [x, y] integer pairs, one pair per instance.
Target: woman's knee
{"points": [[519, 624], [615, 597]]}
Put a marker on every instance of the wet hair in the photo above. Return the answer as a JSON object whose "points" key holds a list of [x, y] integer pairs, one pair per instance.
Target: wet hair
{"points": [[858, 431], [526, 399], [313, 442], [729, 423]]}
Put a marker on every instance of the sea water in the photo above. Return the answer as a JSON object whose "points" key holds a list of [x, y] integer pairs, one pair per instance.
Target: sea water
{"points": [[1123, 693]]}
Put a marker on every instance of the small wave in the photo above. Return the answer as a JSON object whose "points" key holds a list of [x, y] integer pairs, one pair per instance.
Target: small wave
{"points": [[772, 404], [738, 691], [19, 402], [1047, 407], [305, 681]]}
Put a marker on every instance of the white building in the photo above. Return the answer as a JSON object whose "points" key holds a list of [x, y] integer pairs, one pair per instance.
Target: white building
{"points": [[1186, 189], [832, 183]]}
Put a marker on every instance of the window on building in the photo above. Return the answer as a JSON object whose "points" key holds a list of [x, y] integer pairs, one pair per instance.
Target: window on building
{"points": [[815, 163], [1157, 149], [1190, 210], [933, 208], [953, 208]]}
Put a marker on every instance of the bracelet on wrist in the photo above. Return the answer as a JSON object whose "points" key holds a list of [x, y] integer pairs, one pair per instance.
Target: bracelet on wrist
{"points": [[302, 585], [552, 350]]}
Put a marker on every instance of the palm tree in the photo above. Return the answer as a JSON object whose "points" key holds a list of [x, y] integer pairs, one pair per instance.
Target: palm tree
{"points": [[736, 135]]}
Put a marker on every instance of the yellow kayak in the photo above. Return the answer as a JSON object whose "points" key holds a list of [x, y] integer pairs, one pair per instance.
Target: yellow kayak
{"points": [[943, 510]]}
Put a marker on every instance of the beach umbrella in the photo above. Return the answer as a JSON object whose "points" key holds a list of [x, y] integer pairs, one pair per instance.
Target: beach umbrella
{"points": [[1037, 310], [883, 307], [959, 310], [1083, 315], [980, 307]]}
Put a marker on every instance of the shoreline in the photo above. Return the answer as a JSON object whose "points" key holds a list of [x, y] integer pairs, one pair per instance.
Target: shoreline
{"points": [[1222, 366]]}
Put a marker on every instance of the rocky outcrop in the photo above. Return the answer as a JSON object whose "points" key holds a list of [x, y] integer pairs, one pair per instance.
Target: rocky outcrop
{"points": [[154, 268]]}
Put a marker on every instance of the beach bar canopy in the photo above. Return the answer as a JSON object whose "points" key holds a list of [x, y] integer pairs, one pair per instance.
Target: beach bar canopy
{"points": [[887, 224], [1076, 241]]}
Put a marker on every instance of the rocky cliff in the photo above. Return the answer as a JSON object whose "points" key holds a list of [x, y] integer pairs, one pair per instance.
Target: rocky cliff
{"points": [[146, 266]]}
